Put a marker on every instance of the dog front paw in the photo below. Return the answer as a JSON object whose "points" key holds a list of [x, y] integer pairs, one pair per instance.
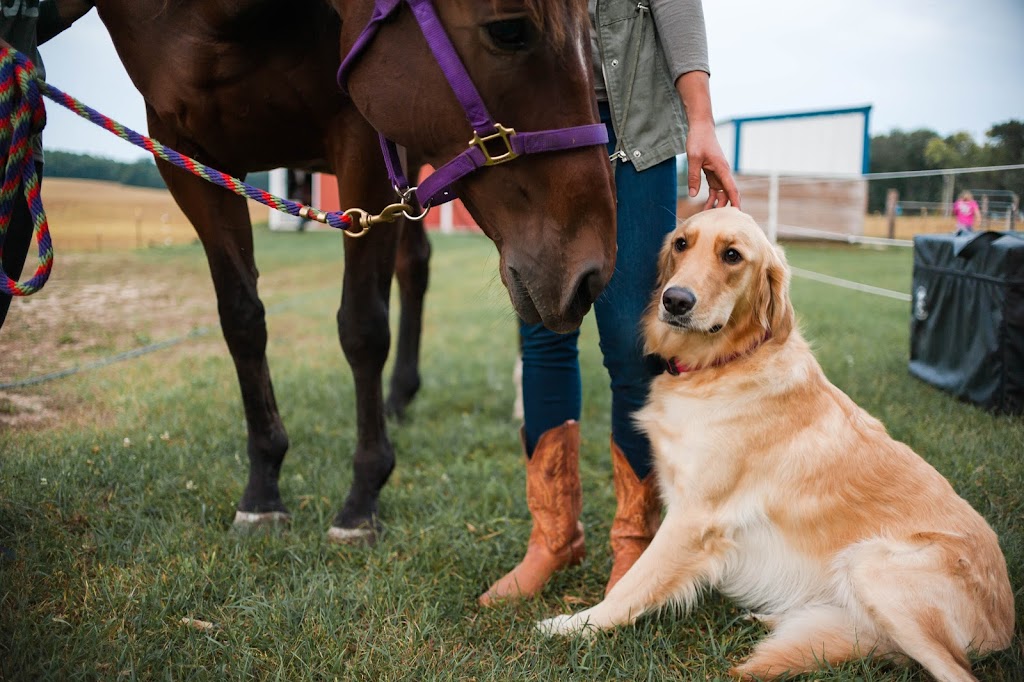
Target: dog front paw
{"points": [[555, 626], [564, 625]]}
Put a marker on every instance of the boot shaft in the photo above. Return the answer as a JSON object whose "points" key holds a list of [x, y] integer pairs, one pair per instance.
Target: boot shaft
{"points": [[553, 491]]}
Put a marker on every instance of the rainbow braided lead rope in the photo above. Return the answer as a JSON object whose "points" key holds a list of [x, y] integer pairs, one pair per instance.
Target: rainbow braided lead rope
{"points": [[22, 115]]}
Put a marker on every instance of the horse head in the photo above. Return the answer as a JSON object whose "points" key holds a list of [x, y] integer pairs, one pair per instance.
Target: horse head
{"points": [[551, 214]]}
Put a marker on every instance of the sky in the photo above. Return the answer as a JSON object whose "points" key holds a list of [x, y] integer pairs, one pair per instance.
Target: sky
{"points": [[945, 65]]}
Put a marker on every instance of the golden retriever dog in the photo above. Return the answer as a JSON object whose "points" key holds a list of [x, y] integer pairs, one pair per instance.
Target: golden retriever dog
{"points": [[783, 494]]}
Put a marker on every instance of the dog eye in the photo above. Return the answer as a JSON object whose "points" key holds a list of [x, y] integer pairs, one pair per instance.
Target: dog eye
{"points": [[732, 256], [509, 35], [679, 244]]}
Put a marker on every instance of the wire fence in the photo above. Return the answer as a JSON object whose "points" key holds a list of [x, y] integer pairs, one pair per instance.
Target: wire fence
{"points": [[837, 207]]}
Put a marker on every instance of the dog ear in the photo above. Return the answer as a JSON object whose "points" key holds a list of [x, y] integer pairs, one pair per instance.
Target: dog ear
{"points": [[774, 310]]}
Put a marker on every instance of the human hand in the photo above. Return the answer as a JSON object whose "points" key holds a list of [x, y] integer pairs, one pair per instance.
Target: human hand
{"points": [[703, 153]]}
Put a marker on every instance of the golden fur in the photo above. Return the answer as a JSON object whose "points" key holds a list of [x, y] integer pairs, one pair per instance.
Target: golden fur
{"points": [[785, 495]]}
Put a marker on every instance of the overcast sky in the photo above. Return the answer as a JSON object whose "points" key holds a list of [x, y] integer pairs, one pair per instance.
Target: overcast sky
{"points": [[947, 65]]}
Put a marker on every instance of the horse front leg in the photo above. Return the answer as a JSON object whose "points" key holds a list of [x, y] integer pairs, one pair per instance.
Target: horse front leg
{"points": [[221, 220], [365, 339], [363, 329], [412, 271]]}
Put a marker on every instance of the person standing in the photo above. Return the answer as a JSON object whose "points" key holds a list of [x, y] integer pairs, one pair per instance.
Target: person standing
{"points": [[966, 211], [652, 84], [24, 25]]}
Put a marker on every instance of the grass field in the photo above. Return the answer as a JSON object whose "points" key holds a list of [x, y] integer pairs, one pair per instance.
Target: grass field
{"points": [[118, 485], [95, 216]]}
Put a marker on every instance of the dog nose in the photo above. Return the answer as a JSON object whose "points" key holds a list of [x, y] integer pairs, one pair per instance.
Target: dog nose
{"points": [[678, 301]]}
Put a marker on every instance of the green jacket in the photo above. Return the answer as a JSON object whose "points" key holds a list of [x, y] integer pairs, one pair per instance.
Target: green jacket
{"points": [[643, 48]]}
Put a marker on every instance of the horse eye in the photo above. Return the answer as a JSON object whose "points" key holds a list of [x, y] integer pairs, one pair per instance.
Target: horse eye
{"points": [[732, 256], [679, 244], [509, 35]]}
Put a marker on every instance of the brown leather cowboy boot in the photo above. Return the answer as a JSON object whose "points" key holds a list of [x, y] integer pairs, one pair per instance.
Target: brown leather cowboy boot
{"points": [[637, 517], [554, 497]]}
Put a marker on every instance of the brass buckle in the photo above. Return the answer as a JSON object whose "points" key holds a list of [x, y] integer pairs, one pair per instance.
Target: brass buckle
{"points": [[504, 134], [364, 220]]}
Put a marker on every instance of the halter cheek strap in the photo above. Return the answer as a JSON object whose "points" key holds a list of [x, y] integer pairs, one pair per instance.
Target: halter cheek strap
{"points": [[492, 143]]}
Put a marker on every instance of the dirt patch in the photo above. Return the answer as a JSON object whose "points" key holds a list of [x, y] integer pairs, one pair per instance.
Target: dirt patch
{"points": [[23, 410], [105, 297], [98, 305]]}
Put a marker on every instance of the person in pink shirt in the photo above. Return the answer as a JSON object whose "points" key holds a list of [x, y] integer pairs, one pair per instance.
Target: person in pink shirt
{"points": [[966, 211]]}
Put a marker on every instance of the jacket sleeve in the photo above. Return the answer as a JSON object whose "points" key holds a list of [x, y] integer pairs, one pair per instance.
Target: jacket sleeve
{"points": [[680, 25]]}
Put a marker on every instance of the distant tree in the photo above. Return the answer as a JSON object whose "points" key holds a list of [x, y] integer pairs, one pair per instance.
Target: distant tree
{"points": [[902, 151], [140, 173], [1006, 147], [1008, 140], [927, 150], [956, 151]]}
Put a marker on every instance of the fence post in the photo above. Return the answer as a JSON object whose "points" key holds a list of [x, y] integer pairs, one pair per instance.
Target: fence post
{"points": [[773, 207], [984, 211], [892, 197], [447, 214], [947, 195]]}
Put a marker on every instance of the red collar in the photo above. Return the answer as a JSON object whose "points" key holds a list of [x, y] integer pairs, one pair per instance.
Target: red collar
{"points": [[674, 367]]}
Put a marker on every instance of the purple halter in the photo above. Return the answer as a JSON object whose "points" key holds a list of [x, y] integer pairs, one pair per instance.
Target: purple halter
{"points": [[436, 189]]}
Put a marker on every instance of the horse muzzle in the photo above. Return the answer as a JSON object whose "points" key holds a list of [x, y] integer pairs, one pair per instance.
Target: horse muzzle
{"points": [[557, 301]]}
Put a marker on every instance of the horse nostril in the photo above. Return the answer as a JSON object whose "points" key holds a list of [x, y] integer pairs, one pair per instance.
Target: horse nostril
{"points": [[589, 287], [678, 301], [592, 284]]}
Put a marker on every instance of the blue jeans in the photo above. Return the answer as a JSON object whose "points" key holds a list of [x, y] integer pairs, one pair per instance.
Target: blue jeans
{"points": [[552, 391]]}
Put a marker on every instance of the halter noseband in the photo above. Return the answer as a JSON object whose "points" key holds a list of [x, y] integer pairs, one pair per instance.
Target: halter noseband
{"points": [[436, 189]]}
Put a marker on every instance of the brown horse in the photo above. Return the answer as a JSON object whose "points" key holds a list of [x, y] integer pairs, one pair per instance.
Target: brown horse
{"points": [[248, 85]]}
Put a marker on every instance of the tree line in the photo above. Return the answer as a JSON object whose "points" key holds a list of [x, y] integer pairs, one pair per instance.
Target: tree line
{"points": [[140, 173], [927, 150]]}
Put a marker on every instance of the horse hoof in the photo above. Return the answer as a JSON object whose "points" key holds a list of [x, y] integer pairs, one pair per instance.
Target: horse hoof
{"points": [[253, 521], [363, 535]]}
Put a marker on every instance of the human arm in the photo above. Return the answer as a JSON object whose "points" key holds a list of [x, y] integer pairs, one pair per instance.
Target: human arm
{"points": [[57, 15], [703, 152], [684, 41]]}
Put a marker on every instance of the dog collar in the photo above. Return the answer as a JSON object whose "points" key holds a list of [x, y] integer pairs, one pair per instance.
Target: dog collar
{"points": [[675, 367]]}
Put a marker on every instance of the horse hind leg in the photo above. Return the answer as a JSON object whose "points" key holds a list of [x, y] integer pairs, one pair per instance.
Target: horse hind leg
{"points": [[412, 272], [222, 221], [804, 641]]}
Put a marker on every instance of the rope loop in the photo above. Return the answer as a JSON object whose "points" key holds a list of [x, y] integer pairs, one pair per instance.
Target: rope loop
{"points": [[22, 117]]}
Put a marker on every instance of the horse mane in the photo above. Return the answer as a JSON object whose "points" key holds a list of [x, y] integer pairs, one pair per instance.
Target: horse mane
{"points": [[557, 17]]}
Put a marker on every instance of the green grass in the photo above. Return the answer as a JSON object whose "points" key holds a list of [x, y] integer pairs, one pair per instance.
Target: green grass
{"points": [[116, 523]]}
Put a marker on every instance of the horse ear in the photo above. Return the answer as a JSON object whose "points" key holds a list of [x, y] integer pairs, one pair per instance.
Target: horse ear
{"points": [[774, 310]]}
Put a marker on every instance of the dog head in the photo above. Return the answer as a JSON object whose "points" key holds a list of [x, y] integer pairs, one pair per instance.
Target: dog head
{"points": [[722, 288]]}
